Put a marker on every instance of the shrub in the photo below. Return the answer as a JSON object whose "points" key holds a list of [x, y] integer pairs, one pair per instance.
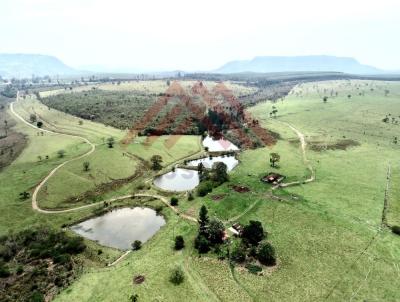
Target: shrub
{"points": [[158, 209], [86, 166], [61, 153], [177, 276], [202, 244], [174, 201], [238, 253], [4, 271], [254, 269], [396, 229], [75, 245], [136, 245], [110, 142], [266, 254], [190, 196], [37, 297], [20, 269], [204, 188], [179, 243]]}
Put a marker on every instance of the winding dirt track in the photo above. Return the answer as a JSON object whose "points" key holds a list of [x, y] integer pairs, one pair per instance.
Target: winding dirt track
{"points": [[303, 146], [35, 204]]}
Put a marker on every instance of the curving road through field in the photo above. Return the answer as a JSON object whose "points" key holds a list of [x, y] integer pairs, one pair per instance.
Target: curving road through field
{"points": [[35, 204]]}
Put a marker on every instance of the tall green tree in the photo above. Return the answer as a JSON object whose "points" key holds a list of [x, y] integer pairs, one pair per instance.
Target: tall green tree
{"points": [[203, 219], [156, 161], [253, 233], [220, 172], [215, 231], [274, 158], [110, 142]]}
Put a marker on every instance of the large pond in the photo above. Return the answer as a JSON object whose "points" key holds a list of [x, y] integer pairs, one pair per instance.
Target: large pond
{"points": [[230, 161], [219, 145], [178, 180], [120, 227]]}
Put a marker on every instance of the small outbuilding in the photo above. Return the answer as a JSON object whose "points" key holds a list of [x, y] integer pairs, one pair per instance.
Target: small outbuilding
{"points": [[273, 178]]}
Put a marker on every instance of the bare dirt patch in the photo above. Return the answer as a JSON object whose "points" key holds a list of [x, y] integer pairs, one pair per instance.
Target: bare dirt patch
{"points": [[319, 146], [218, 197], [240, 189]]}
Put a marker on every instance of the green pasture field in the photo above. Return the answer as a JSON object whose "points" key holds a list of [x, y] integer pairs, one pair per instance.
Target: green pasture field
{"points": [[328, 235]]}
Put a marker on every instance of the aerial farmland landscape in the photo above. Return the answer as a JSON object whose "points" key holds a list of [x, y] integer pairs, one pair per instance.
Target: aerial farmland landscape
{"points": [[167, 152]]}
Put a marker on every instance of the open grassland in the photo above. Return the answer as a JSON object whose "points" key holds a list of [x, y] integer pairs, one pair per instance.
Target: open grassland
{"points": [[60, 122]]}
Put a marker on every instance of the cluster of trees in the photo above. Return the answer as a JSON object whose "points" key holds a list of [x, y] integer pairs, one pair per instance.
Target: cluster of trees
{"points": [[253, 246], [10, 91], [211, 179], [114, 108], [390, 119], [211, 232], [36, 264], [156, 161]]}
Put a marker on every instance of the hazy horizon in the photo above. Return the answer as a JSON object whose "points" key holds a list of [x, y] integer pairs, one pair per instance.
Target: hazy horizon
{"points": [[159, 35]]}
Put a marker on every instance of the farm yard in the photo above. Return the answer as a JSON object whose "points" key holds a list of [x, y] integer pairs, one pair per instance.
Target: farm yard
{"points": [[331, 239]]}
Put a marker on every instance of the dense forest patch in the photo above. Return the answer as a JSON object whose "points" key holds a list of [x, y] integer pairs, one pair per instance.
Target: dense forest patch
{"points": [[36, 263]]}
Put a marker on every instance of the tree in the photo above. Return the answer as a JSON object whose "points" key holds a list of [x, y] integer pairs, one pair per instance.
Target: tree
{"points": [[177, 276], [6, 127], [266, 253], [136, 245], [61, 153], [274, 158], [110, 142], [174, 201], [24, 195], [179, 243], [156, 161], [86, 166], [203, 219], [134, 298], [202, 244], [253, 233], [215, 231], [325, 99], [39, 124], [220, 173], [32, 118], [274, 111]]}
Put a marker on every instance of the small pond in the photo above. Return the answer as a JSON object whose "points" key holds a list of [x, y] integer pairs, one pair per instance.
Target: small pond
{"points": [[230, 161], [120, 227], [180, 180], [218, 145]]}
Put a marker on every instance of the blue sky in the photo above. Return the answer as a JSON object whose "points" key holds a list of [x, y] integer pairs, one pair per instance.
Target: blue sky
{"points": [[199, 35]]}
